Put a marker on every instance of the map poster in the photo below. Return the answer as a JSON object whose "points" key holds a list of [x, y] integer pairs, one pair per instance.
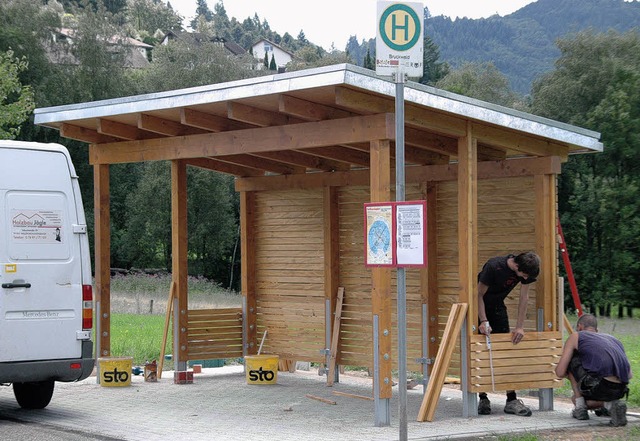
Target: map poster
{"points": [[411, 249], [379, 235]]}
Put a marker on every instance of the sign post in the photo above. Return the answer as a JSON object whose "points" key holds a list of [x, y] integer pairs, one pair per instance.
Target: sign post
{"points": [[399, 53]]}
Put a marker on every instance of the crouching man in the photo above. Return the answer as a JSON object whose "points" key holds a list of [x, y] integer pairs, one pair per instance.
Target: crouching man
{"points": [[599, 371]]}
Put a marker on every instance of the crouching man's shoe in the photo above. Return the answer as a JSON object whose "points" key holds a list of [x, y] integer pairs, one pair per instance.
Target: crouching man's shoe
{"points": [[517, 407]]}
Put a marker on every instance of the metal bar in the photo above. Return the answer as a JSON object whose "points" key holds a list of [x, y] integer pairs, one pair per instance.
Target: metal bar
{"points": [[401, 276]]}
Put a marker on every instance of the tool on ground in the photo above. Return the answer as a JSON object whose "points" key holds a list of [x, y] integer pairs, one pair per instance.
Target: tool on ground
{"points": [[488, 337], [262, 342]]}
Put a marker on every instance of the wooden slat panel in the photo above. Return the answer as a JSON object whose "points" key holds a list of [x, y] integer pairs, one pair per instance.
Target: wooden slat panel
{"points": [[214, 333], [529, 364]]}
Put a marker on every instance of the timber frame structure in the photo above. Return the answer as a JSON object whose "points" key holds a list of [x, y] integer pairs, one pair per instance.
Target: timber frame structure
{"points": [[308, 149]]}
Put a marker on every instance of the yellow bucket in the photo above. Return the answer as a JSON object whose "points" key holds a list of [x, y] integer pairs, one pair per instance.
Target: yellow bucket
{"points": [[261, 369], [115, 371]]}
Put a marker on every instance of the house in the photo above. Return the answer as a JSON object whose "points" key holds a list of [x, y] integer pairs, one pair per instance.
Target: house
{"points": [[198, 38], [263, 46], [59, 51]]}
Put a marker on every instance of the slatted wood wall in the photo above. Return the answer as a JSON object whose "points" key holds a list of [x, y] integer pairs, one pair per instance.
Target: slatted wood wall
{"points": [[506, 224], [289, 262], [214, 333], [290, 273]]}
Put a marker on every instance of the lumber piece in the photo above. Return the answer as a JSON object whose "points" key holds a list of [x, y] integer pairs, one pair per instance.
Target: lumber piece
{"points": [[331, 373], [345, 394], [443, 358], [167, 319], [323, 400]]}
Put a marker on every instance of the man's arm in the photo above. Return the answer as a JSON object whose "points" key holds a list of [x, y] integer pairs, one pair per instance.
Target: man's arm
{"points": [[567, 353], [518, 333], [485, 326]]}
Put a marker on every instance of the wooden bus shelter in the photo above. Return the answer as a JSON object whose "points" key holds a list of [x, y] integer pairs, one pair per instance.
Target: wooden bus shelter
{"points": [[308, 150]]}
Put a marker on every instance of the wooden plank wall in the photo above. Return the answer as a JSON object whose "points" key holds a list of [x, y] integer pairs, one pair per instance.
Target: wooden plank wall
{"points": [[356, 326], [214, 333], [289, 275], [290, 262], [506, 224]]}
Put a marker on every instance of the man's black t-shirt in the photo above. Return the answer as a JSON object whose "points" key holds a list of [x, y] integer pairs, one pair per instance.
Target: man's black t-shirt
{"points": [[500, 279]]}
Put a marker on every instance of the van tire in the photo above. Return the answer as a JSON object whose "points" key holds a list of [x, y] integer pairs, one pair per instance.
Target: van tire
{"points": [[34, 395]]}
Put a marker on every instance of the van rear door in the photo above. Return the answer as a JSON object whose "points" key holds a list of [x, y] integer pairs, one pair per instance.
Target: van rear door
{"points": [[40, 268]]}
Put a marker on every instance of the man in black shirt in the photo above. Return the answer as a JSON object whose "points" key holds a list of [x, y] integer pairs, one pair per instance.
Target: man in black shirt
{"points": [[496, 280]]}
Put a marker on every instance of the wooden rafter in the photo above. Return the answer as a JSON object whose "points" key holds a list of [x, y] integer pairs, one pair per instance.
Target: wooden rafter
{"points": [[210, 122], [164, 126], [122, 131], [223, 167]]}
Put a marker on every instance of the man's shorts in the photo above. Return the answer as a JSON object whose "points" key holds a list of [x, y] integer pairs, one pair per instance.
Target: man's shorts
{"points": [[594, 387]]}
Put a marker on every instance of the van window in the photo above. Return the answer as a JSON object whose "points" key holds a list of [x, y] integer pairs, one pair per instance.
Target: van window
{"points": [[37, 225]]}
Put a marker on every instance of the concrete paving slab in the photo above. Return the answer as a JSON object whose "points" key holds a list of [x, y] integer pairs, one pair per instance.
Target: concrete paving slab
{"points": [[220, 405]]}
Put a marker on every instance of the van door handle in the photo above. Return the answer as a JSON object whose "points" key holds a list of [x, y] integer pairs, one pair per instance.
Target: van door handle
{"points": [[16, 285]]}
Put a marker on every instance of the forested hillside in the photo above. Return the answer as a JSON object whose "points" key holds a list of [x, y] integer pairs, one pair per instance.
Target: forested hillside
{"points": [[521, 45]]}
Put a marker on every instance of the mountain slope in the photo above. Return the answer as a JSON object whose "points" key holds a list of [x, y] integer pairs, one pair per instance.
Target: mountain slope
{"points": [[522, 44]]}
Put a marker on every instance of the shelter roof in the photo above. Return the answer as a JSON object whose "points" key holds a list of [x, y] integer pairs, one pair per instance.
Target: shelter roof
{"points": [[312, 120]]}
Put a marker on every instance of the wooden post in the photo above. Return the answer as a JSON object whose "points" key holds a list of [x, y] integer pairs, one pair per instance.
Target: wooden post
{"points": [[468, 225], [167, 319], [380, 177], [430, 294], [547, 248], [248, 268], [335, 340], [179, 264], [103, 258], [331, 226]]}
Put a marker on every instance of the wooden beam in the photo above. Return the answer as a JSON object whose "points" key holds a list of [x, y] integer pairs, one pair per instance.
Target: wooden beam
{"points": [[427, 173], [210, 122], [164, 126], [335, 339], [520, 142], [256, 116], [83, 134], [344, 154], [223, 167], [309, 111], [179, 265], [438, 122], [300, 158], [265, 139], [262, 164], [331, 238], [102, 222], [380, 190], [468, 226], [119, 130]]}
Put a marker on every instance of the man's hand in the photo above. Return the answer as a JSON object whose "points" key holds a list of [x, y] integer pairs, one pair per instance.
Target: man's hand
{"points": [[517, 335], [485, 328]]}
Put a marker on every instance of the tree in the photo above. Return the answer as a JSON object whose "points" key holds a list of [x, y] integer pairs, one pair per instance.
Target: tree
{"points": [[368, 61], [433, 70], [16, 100], [481, 81], [203, 12], [151, 15], [272, 64], [595, 85]]}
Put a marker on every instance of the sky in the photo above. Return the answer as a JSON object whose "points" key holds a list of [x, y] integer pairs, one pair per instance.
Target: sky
{"points": [[332, 22]]}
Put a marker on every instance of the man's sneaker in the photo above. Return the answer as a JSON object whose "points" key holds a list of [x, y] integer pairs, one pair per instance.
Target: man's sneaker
{"points": [[484, 406], [517, 407], [618, 413], [580, 413], [602, 412]]}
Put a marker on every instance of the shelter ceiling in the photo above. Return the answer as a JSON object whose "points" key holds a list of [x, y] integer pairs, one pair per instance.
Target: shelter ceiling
{"points": [[302, 122]]}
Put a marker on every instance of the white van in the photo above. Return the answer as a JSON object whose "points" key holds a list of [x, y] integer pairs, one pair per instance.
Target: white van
{"points": [[46, 298]]}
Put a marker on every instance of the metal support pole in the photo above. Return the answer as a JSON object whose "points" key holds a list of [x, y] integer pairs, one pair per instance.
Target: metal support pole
{"points": [[425, 347], [382, 412], [401, 276], [545, 395]]}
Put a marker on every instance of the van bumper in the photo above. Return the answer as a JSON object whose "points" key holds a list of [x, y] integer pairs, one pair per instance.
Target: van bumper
{"points": [[42, 370]]}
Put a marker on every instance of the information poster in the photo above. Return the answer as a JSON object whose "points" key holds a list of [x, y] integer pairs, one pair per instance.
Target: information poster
{"points": [[411, 241], [379, 246], [395, 234]]}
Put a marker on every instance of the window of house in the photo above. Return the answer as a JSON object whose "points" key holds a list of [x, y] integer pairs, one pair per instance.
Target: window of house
{"points": [[268, 47]]}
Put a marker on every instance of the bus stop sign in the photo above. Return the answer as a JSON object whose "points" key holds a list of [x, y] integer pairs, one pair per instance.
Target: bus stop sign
{"points": [[400, 41]]}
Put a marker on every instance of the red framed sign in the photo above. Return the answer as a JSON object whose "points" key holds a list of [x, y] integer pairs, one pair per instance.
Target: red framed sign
{"points": [[395, 234]]}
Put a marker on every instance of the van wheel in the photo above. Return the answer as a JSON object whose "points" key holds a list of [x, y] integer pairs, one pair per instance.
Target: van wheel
{"points": [[35, 395]]}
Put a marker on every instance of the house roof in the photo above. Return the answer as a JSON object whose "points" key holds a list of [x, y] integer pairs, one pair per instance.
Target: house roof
{"points": [[312, 120], [198, 38]]}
